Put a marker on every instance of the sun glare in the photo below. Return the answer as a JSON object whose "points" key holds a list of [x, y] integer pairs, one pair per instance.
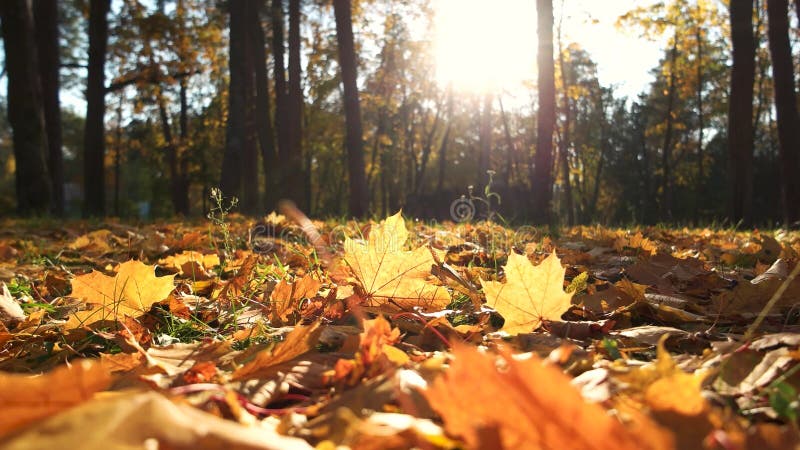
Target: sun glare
{"points": [[485, 46]]}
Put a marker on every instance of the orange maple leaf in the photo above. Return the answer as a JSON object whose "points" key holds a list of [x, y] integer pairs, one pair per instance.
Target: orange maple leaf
{"points": [[391, 275], [530, 293], [26, 399], [527, 404], [130, 292]]}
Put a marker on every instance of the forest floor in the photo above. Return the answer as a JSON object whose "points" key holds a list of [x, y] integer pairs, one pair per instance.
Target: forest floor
{"points": [[283, 333]]}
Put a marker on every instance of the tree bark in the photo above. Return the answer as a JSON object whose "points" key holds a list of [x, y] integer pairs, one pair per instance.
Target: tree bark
{"points": [[94, 181], [46, 25], [542, 174], [359, 201], [266, 134], [785, 106], [279, 72], [296, 185], [232, 161], [25, 108], [740, 110]]}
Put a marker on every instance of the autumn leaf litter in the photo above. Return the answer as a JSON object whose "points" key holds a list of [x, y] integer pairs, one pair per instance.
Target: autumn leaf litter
{"points": [[455, 336]]}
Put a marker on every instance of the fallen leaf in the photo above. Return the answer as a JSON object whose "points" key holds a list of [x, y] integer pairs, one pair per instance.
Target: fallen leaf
{"points": [[287, 296], [10, 312], [301, 339], [131, 292], [376, 354], [27, 398], [530, 293], [390, 275], [528, 405], [147, 420], [93, 244]]}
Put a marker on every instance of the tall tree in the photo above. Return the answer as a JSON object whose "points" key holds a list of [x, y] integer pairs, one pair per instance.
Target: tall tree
{"points": [[279, 72], [94, 185], [297, 188], [263, 115], [47, 48], [542, 174], [25, 108], [566, 139], [785, 106], [240, 161], [740, 110], [359, 201]]}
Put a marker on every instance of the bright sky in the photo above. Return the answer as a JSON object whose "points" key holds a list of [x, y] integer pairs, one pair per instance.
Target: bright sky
{"points": [[478, 45]]}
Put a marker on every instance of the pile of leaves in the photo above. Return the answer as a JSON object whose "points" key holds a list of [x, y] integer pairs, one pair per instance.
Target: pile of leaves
{"points": [[287, 333]]}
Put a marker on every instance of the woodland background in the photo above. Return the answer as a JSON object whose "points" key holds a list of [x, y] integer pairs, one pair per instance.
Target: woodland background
{"points": [[335, 105]]}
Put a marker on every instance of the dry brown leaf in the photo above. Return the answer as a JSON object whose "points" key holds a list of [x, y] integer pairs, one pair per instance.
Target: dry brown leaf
{"points": [[530, 293], [300, 340], [26, 399], [391, 275], [93, 244], [130, 292], [176, 262], [527, 404], [147, 420], [287, 296]]}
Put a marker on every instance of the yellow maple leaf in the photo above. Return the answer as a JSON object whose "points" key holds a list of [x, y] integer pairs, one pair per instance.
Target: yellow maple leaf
{"points": [[130, 292], [530, 293], [391, 275]]}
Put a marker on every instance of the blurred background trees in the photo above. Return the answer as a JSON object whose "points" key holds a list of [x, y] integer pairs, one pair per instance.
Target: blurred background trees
{"points": [[335, 104]]}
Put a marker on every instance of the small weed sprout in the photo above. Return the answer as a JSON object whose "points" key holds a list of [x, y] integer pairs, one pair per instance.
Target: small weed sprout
{"points": [[463, 209], [218, 215]]}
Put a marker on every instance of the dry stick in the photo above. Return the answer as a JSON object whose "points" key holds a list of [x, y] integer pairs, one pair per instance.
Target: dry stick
{"points": [[290, 210], [771, 303]]}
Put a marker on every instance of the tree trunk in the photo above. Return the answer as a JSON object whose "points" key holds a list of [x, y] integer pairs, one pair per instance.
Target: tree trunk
{"points": [[250, 202], [118, 158], [232, 162], [740, 110], [426, 151], [786, 107], [279, 72], [485, 140], [666, 151], [359, 202], [542, 175], [445, 141], [700, 123], [25, 108], [296, 184], [601, 106], [46, 25], [266, 135], [566, 138], [94, 180]]}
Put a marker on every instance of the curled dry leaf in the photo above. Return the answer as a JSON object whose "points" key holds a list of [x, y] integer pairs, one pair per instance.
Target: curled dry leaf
{"points": [[391, 275], [300, 340], [10, 312], [530, 293], [147, 420], [527, 404], [287, 296], [26, 399], [130, 292]]}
